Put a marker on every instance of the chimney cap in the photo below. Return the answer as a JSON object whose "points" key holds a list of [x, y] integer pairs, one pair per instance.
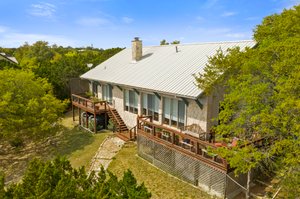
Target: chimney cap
{"points": [[136, 38]]}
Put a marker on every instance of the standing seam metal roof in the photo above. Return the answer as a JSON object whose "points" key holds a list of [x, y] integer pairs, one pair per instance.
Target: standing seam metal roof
{"points": [[161, 69]]}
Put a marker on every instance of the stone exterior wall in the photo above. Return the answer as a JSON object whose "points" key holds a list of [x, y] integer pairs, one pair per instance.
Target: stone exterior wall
{"points": [[118, 102], [194, 114], [137, 49]]}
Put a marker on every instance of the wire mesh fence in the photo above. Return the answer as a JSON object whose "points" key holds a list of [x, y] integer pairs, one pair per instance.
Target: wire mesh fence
{"points": [[188, 169], [182, 166]]}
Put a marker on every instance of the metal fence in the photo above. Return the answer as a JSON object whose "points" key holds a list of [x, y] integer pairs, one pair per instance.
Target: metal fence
{"points": [[188, 169]]}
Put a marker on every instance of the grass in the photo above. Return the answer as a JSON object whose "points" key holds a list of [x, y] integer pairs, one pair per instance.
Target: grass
{"points": [[68, 140], [83, 156], [79, 146], [159, 183]]}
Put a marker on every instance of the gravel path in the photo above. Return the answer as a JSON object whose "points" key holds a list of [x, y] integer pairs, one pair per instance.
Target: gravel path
{"points": [[107, 150]]}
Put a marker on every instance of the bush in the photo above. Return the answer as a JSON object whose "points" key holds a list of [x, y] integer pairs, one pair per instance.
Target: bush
{"points": [[57, 179], [16, 142]]}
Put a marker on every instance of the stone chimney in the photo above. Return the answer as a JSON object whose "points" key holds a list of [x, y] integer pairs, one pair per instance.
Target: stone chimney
{"points": [[137, 49]]}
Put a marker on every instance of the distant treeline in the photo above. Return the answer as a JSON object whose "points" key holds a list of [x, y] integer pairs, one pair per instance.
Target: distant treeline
{"points": [[56, 63]]}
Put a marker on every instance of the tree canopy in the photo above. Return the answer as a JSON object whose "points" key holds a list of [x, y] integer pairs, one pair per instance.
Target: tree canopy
{"points": [[164, 42], [262, 98], [57, 179], [27, 104], [59, 64]]}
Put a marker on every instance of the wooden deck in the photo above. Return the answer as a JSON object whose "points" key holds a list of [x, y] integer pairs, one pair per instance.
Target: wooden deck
{"points": [[84, 104], [184, 143], [190, 145], [89, 105]]}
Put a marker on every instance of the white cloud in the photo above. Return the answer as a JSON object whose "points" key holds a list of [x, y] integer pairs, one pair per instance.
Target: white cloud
{"points": [[3, 29], [42, 10], [18, 39], [200, 19], [210, 3], [93, 21], [127, 20], [228, 14]]}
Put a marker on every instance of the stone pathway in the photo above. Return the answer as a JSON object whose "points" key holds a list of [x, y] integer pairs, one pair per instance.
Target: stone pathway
{"points": [[107, 150]]}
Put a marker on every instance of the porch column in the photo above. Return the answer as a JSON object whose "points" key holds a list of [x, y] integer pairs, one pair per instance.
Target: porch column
{"points": [[87, 120], [105, 116], [79, 114], [95, 123], [73, 114]]}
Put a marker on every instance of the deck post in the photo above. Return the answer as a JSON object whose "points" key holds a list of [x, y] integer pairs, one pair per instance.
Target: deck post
{"points": [[79, 114], [95, 123], [105, 116], [197, 147], [87, 120], [173, 138], [73, 113]]}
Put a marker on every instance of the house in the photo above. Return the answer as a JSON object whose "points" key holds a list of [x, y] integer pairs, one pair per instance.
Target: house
{"points": [[10, 59], [150, 94]]}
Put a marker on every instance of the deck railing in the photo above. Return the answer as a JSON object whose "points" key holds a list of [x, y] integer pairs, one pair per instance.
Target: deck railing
{"points": [[179, 141], [88, 104]]}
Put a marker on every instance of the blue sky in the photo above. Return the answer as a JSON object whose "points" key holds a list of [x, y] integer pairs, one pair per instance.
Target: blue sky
{"points": [[114, 23]]}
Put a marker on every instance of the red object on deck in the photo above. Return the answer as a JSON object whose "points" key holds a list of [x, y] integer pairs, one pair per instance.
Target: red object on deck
{"points": [[219, 144], [234, 142]]}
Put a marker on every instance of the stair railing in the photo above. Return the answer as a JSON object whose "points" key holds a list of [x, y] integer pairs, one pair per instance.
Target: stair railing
{"points": [[132, 132], [114, 116]]}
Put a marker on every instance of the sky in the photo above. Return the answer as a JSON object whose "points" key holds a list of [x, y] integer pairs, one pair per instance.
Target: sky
{"points": [[114, 23]]}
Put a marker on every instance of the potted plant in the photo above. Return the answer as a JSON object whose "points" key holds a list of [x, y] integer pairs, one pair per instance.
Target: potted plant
{"points": [[158, 132]]}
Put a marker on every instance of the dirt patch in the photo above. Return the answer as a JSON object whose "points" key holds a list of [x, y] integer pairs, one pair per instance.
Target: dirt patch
{"points": [[65, 140], [14, 161]]}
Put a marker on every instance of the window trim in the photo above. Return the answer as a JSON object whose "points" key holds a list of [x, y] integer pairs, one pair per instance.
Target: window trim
{"points": [[168, 121], [108, 98], [132, 107], [147, 111]]}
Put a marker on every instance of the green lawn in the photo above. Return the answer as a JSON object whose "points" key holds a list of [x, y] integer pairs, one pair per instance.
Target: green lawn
{"points": [[80, 147], [159, 183], [77, 145], [68, 140]]}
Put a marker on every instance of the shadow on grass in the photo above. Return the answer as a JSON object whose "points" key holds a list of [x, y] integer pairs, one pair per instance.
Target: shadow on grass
{"points": [[72, 140]]}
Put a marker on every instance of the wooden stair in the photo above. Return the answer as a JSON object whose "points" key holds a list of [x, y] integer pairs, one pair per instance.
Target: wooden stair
{"points": [[117, 120], [124, 136]]}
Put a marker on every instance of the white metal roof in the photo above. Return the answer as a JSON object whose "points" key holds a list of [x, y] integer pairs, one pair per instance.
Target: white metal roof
{"points": [[12, 59], [161, 69]]}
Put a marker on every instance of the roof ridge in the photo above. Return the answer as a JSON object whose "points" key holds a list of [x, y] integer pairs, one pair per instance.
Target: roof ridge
{"points": [[202, 43]]}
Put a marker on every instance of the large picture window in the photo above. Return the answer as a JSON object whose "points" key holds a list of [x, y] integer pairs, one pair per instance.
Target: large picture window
{"points": [[150, 106], [107, 93], [174, 112], [131, 101]]}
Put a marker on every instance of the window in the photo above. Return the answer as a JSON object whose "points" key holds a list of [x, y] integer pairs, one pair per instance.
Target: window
{"points": [[131, 101], [174, 112], [95, 88], [150, 106], [107, 93]]}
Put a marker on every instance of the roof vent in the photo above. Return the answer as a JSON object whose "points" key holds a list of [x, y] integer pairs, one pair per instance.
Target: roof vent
{"points": [[137, 49]]}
